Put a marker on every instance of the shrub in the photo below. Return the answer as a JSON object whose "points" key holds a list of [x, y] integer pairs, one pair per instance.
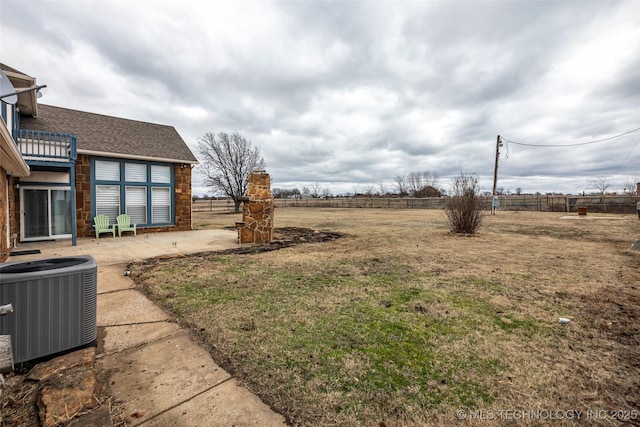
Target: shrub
{"points": [[465, 208]]}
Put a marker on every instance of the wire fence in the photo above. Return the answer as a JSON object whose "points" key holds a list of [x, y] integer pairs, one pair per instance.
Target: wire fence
{"points": [[543, 203]]}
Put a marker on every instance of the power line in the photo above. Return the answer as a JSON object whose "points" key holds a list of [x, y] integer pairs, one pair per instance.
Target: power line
{"points": [[571, 145], [625, 159]]}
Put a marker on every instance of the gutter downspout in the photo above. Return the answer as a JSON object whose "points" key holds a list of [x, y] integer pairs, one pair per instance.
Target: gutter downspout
{"points": [[72, 178]]}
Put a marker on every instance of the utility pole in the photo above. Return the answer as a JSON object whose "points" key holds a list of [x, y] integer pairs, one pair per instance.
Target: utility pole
{"points": [[494, 197]]}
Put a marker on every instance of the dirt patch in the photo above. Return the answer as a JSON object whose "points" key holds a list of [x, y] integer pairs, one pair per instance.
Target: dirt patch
{"points": [[284, 237], [19, 407]]}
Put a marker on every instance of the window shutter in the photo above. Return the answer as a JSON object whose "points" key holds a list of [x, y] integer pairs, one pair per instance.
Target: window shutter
{"points": [[107, 171]]}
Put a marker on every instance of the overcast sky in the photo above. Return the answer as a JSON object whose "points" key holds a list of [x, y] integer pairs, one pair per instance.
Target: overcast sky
{"points": [[350, 94]]}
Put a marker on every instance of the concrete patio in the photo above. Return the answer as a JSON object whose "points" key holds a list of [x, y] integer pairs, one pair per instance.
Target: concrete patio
{"points": [[154, 366], [108, 250]]}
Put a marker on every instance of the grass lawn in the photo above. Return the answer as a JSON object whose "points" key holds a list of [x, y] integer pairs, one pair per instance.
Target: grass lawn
{"points": [[403, 323]]}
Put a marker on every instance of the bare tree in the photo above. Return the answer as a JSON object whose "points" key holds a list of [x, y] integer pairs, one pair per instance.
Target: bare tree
{"points": [[370, 191], [601, 184], [430, 179], [316, 190], [465, 208], [402, 186], [423, 184], [382, 189], [278, 193], [226, 160], [415, 183], [630, 185]]}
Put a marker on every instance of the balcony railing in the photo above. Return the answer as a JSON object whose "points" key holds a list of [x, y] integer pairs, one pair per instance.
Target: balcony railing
{"points": [[46, 146]]}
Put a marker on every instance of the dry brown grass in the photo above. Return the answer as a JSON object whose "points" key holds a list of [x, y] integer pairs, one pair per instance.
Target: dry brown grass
{"points": [[404, 323]]}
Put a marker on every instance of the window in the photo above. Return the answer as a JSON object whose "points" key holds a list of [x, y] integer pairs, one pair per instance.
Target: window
{"points": [[136, 198], [160, 174], [161, 204], [135, 172], [108, 201], [145, 191], [60, 201], [107, 171]]}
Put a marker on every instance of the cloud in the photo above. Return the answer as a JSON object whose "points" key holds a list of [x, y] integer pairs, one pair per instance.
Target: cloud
{"points": [[354, 93]]}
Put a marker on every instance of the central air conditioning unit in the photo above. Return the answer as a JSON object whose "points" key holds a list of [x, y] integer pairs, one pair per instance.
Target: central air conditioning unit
{"points": [[54, 305]]}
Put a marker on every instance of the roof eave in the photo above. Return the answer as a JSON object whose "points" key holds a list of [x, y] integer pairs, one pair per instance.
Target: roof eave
{"points": [[27, 102], [136, 157], [11, 160]]}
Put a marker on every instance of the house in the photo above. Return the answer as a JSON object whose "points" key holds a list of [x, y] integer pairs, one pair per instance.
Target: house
{"points": [[75, 165], [12, 167]]}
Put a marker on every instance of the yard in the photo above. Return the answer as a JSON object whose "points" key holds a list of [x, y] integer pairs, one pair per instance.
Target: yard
{"points": [[400, 322]]}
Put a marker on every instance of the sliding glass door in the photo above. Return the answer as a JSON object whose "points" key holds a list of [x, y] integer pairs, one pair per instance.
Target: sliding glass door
{"points": [[46, 213]]}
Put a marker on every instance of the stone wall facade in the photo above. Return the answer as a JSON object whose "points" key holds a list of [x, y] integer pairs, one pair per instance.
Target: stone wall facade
{"points": [[9, 206], [183, 206], [257, 214], [4, 202], [84, 221], [13, 198]]}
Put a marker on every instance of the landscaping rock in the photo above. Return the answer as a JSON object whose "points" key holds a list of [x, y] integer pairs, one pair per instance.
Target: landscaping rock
{"points": [[67, 397], [85, 357], [6, 354]]}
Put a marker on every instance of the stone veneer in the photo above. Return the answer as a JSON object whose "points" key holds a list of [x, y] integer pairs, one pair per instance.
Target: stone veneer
{"points": [[4, 201], [13, 200], [257, 213], [182, 214], [84, 221]]}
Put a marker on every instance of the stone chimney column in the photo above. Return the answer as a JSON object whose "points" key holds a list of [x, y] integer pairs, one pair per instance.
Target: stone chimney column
{"points": [[257, 212]]}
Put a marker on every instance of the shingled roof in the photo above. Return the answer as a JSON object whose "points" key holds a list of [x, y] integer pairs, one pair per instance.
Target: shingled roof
{"points": [[98, 134]]}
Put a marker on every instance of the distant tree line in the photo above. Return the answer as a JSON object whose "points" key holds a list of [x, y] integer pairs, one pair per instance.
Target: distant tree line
{"points": [[286, 193], [414, 184], [417, 184]]}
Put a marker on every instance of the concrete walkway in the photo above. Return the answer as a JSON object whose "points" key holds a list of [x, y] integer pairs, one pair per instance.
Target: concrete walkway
{"points": [[153, 365]]}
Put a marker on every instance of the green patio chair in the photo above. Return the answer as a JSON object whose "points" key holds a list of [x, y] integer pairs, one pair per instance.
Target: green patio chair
{"points": [[101, 224], [124, 224]]}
